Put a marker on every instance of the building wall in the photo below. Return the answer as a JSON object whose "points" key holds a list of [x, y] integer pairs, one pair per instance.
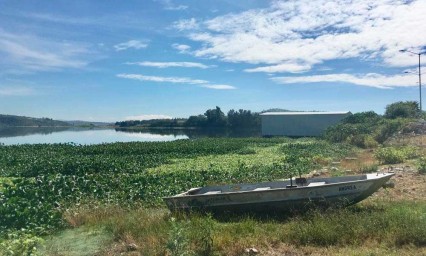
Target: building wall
{"points": [[299, 125]]}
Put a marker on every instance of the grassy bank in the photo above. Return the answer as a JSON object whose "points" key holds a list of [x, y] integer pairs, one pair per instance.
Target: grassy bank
{"points": [[396, 226]]}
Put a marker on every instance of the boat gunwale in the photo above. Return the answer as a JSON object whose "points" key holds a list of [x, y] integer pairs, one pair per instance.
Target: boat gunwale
{"points": [[183, 195]]}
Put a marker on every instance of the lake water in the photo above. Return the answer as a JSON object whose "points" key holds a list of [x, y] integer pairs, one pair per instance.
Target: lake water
{"points": [[30, 135], [14, 136]]}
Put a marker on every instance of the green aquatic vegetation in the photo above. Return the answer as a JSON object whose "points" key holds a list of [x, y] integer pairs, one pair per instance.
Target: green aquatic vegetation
{"points": [[43, 181]]}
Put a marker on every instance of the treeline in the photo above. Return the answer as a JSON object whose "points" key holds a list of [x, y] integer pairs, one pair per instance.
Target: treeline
{"points": [[12, 121], [153, 123], [212, 118], [368, 129]]}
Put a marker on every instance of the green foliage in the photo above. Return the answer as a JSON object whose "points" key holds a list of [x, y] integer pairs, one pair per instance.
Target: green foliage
{"points": [[365, 130], [215, 118], [9, 120], [421, 166], [48, 179], [164, 123], [243, 119], [196, 121], [391, 155], [362, 117], [407, 109], [20, 243], [369, 168], [178, 243], [398, 225], [201, 233]]}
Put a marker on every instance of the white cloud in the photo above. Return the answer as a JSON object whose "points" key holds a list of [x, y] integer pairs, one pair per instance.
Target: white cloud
{"points": [[16, 91], [147, 117], [371, 80], [181, 80], [135, 44], [178, 80], [182, 48], [219, 86], [170, 64], [305, 33], [186, 24], [169, 5], [285, 67], [30, 52]]}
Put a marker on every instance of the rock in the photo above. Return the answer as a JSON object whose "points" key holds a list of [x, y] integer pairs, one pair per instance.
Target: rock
{"points": [[389, 184], [252, 251], [351, 158], [131, 247]]}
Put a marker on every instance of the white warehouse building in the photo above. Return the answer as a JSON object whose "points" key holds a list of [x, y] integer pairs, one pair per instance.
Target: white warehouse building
{"points": [[299, 124]]}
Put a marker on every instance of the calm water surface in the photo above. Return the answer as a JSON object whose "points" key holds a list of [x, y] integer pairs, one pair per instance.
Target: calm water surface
{"points": [[14, 136]]}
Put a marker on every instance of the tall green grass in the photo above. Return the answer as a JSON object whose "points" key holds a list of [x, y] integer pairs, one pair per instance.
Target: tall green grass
{"points": [[157, 232]]}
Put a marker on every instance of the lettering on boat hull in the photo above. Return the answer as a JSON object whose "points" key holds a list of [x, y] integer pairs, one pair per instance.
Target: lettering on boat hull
{"points": [[348, 187]]}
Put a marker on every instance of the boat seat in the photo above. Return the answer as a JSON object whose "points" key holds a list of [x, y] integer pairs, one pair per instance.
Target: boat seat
{"points": [[260, 189], [213, 192], [313, 184]]}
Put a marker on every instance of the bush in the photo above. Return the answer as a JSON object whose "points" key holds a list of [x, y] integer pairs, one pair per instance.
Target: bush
{"points": [[422, 165], [407, 109], [19, 243], [390, 156], [395, 155]]}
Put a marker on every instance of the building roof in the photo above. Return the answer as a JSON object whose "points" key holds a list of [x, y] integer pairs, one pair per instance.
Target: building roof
{"points": [[304, 113]]}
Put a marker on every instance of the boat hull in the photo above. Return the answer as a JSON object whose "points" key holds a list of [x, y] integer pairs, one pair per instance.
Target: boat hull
{"points": [[280, 199]]}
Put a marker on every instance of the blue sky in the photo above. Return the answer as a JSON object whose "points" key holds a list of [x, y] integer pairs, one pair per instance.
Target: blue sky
{"points": [[118, 60]]}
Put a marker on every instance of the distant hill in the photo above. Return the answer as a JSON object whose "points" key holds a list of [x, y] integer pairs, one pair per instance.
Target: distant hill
{"points": [[88, 123], [23, 121], [276, 110]]}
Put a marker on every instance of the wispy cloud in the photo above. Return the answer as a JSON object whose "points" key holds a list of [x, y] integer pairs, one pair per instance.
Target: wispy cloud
{"points": [[371, 80], [182, 48], [169, 5], [31, 52], [135, 44], [219, 86], [176, 80], [16, 91], [170, 64], [186, 24], [179, 80], [285, 67], [147, 117], [305, 33]]}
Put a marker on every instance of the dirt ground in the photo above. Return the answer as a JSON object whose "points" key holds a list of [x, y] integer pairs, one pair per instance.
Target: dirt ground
{"points": [[408, 185]]}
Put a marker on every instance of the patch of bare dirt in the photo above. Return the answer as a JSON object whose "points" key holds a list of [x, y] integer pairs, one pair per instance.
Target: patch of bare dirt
{"points": [[408, 185]]}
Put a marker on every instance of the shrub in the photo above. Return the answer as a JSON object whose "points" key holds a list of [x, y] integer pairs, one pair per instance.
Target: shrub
{"points": [[390, 155], [368, 168], [407, 109], [422, 165], [19, 243]]}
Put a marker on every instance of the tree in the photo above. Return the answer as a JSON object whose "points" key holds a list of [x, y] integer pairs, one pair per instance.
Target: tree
{"points": [[407, 109], [243, 119], [215, 118], [362, 117], [196, 121]]}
